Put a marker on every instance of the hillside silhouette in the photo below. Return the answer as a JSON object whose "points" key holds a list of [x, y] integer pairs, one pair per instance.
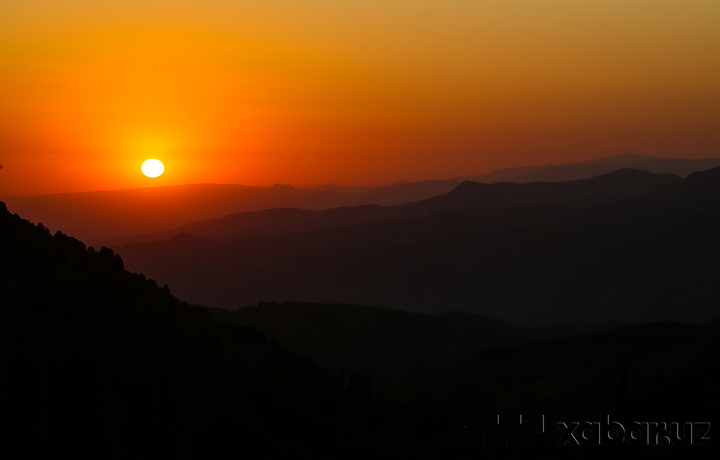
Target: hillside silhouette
{"points": [[98, 362]]}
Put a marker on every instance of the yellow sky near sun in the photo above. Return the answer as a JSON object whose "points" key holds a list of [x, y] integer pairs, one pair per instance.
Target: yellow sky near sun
{"points": [[349, 92]]}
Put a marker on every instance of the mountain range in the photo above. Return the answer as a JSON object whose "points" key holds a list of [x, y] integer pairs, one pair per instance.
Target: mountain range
{"points": [[627, 246], [586, 169], [620, 184], [99, 216]]}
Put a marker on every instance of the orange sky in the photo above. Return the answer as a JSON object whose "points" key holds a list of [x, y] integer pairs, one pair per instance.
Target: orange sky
{"points": [[351, 92]]}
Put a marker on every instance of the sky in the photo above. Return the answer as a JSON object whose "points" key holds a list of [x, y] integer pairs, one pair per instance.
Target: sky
{"points": [[350, 92]]}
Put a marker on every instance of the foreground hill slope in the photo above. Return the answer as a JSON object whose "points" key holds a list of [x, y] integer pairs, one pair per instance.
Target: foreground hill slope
{"points": [[97, 362]]}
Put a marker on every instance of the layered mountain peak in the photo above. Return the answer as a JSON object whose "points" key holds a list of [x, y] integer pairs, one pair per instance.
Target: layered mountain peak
{"points": [[620, 184]]}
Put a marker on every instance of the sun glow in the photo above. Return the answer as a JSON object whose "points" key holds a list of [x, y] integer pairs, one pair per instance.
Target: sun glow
{"points": [[152, 168]]}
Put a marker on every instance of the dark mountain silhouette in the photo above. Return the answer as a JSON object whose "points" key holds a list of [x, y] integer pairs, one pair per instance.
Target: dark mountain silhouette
{"points": [[408, 191], [644, 259], [617, 185], [397, 348], [390, 344], [266, 222], [413, 191], [587, 169], [700, 189]]}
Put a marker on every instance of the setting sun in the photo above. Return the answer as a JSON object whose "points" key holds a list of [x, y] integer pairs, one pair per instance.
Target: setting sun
{"points": [[152, 168]]}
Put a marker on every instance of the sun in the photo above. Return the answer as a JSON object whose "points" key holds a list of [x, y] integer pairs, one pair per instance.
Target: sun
{"points": [[152, 168]]}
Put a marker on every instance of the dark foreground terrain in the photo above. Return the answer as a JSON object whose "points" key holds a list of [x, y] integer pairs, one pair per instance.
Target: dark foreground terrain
{"points": [[98, 362]]}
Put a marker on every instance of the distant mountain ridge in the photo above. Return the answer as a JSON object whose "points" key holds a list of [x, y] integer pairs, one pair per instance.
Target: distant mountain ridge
{"points": [[621, 184], [119, 213], [586, 169], [617, 185]]}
